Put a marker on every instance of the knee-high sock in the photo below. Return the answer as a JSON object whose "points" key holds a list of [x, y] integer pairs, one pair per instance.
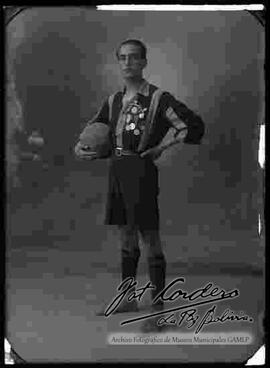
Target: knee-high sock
{"points": [[130, 263], [129, 267], [157, 273]]}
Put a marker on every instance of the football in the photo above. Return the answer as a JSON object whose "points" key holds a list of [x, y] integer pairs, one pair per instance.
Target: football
{"points": [[96, 138]]}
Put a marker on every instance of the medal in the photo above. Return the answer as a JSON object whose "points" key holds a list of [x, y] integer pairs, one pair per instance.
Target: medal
{"points": [[134, 110], [136, 132], [127, 127], [141, 115], [132, 126]]}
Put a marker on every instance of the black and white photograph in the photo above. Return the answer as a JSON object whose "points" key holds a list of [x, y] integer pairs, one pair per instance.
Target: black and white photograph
{"points": [[134, 166]]}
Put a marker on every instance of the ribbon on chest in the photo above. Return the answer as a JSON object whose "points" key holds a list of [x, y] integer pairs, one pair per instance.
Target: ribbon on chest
{"points": [[134, 118]]}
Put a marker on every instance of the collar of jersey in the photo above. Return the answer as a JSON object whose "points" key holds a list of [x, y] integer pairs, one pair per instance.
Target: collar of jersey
{"points": [[143, 90]]}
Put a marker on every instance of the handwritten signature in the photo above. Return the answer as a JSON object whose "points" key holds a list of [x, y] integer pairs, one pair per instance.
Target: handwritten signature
{"points": [[207, 294], [209, 317]]}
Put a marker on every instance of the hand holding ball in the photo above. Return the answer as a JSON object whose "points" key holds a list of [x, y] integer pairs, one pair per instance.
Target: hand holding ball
{"points": [[94, 141]]}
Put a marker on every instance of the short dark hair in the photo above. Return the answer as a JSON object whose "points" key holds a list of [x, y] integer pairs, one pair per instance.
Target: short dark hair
{"points": [[133, 42]]}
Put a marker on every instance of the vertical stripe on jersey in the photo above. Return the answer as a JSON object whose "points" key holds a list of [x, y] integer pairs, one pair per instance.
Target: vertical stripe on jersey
{"points": [[150, 118]]}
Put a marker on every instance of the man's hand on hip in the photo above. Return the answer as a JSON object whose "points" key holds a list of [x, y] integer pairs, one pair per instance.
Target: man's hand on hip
{"points": [[153, 153]]}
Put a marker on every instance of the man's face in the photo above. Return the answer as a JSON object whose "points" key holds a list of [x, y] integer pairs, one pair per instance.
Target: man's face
{"points": [[130, 61]]}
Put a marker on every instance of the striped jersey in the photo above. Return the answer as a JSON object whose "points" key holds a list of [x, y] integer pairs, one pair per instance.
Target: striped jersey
{"points": [[143, 121]]}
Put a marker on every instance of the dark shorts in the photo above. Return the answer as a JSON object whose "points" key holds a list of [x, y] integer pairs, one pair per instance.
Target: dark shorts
{"points": [[133, 192]]}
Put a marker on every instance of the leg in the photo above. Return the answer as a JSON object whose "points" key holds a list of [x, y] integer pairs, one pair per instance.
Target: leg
{"points": [[130, 254], [130, 251], [156, 263]]}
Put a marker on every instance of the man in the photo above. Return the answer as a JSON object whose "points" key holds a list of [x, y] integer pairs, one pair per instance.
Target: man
{"points": [[139, 117]]}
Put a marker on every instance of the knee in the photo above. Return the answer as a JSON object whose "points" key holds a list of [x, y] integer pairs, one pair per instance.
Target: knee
{"points": [[128, 233], [153, 245], [131, 252], [150, 238]]}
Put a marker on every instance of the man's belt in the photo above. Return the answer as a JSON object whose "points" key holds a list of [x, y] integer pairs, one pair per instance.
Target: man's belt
{"points": [[118, 151]]}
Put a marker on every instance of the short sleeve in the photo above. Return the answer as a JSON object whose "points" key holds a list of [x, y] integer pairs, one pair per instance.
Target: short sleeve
{"points": [[102, 116], [180, 117]]}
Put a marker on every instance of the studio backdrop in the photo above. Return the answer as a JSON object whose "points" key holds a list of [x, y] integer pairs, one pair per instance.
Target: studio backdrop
{"points": [[61, 64]]}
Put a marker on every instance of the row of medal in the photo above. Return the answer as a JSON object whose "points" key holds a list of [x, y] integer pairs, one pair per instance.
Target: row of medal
{"points": [[133, 126]]}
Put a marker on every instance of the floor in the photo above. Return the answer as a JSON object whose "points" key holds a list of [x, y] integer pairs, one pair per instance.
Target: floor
{"points": [[59, 272], [52, 297]]}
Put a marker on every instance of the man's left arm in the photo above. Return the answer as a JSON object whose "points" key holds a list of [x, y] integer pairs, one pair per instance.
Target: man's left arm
{"points": [[188, 126]]}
